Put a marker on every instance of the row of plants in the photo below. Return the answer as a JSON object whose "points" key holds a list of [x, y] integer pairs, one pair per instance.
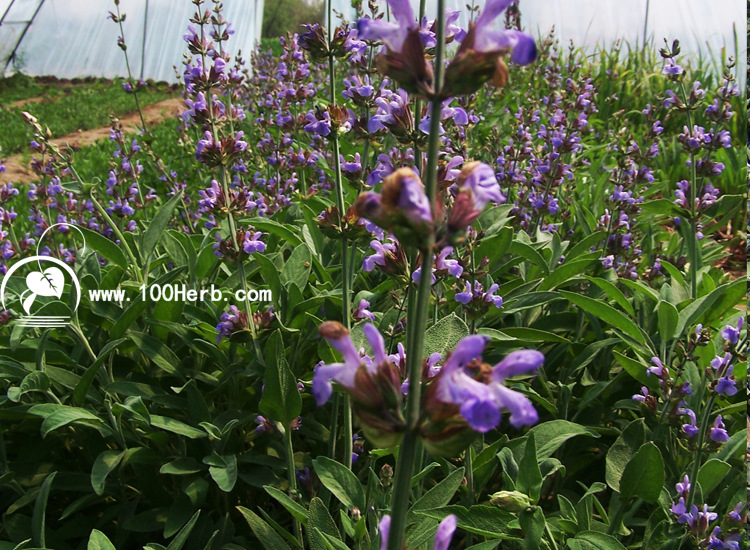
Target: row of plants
{"points": [[502, 308], [66, 109]]}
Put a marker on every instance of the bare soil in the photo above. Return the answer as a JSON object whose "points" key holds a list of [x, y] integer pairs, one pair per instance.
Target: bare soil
{"points": [[17, 169]]}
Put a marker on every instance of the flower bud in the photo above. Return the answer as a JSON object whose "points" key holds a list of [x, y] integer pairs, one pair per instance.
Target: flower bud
{"points": [[409, 67], [512, 501], [402, 207]]}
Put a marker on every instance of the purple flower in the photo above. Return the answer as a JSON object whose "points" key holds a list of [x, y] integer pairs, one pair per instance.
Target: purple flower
{"points": [[732, 334], [442, 538], [381, 249], [231, 322], [451, 266], [394, 34], [480, 179], [445, 532], [683, 487], [362, 312], [641, 396], [690, 430], [402, 207], [488, 39], [672, 68], [480, 403], [417, 275], [718, 433], [252, 243], [344, 373], [657, 370]]}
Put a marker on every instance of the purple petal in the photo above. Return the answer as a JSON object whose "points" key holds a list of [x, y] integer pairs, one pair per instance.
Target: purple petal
{"points": [[522, 412], [445, 532], [376, 343], [492, 9], [524, 52], [384, 527], [468, 349], [516, 363], [481, 415], [321, 385]]}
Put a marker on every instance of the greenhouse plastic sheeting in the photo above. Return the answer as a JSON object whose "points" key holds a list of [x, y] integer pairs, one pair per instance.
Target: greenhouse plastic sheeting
{"points": [[703, 28], [75, 38]]}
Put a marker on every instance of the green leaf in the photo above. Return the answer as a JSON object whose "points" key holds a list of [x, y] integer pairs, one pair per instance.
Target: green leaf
{"points": [[643, 477], [533, 524], [636, 369], [297, 510], [79, 394], [584, 245], [297, 268], [674, 273], [733, 447], [321, 523], [530, 254], [105, 248], [593, 540], [607, 314], [182, 537], [99, 541], [158, 225], [266, 535], [270, 274], [444, 335], [224, 472], [438, 496], [161, 355], [281, 400], [38, 518], [176, 426], [529, 300], [487, 521], [667, 316], [549, 436], [529, 334], [104, 464], [613, 293], [275, 228], [622, 451], [182, 467], [711, 473], [529, 479], [712, 306], [565, 273], [64, 416], [340, 480]]}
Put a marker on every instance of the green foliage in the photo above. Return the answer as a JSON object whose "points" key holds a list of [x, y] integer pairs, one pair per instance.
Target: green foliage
{"points": [[282, 16], [66, 106], [137, 425]]}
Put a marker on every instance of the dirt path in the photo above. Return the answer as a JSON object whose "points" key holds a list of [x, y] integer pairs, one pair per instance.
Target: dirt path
{"points": [[27, 101], [18, 171]]}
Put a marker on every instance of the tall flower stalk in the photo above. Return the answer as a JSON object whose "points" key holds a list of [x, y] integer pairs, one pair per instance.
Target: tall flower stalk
{"points": [[417, 313], [341, 205]]}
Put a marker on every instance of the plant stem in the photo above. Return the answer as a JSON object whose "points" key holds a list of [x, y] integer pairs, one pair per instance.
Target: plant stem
{"points": [[98, 207], [417, 316], [699, 450], [292, 475], [616, 520], [240, 267], [692, 244], [345, 277]]}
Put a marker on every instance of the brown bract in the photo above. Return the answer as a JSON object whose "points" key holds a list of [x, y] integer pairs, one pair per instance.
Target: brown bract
{"points": [[469, 69], [410, 67], [333, 330]]}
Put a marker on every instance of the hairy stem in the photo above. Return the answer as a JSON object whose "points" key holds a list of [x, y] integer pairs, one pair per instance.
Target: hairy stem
{"points": [[417, 315]]}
